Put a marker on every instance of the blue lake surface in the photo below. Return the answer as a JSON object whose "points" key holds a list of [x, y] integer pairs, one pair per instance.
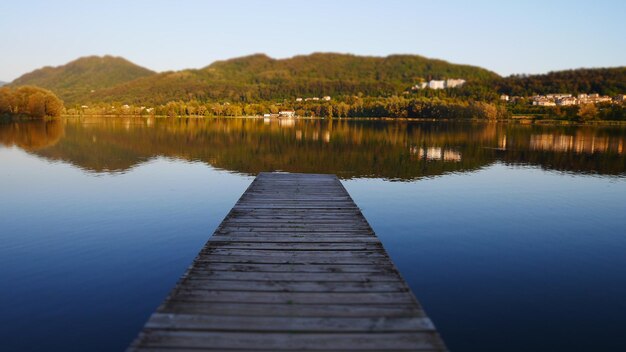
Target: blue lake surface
{"points": [[512, 237]]}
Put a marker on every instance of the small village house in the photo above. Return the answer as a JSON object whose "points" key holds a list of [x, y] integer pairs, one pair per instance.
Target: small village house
{"points": [[286, 114]]}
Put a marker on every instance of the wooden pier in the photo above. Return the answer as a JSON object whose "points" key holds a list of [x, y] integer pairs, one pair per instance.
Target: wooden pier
{"points": [[293, 266]]}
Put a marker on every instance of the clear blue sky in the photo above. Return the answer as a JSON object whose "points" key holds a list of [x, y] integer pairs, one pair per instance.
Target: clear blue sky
{"points": [[506, 37]]}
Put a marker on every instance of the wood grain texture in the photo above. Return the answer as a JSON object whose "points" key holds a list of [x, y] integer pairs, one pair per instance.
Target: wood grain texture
{"points": [[293, 266]]}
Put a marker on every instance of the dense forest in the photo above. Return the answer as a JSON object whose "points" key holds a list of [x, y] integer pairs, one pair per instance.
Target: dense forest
{"points": [[29, 102], [605, 81], [396, 107], [247, 79], [358, 86]]}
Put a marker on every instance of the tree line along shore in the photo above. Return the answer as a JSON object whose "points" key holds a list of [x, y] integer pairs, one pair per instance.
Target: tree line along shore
{"points": [[396, 86], [29, 102], [34, 102]]}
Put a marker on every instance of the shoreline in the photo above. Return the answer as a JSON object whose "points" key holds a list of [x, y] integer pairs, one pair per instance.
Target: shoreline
{"points": [[518, 121]]}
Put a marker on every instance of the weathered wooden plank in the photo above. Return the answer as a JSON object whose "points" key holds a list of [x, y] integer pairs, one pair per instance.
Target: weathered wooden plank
{"points": [[294, 286], [200, 295], [292, 239], [203, 274], [257, 259], [293, 266], [297, 228], [207, 322], [304, 253], [294, 212], [310, 233], [373, 310], [179, 349], [280, 341], [295, 220], [298, 246]]}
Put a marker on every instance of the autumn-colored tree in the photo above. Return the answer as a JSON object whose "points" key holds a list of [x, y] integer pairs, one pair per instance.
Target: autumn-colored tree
{"points": [[233, 110], [202, 110], [218, 109], [36, 105], [7, 101], [486, 110], [54, 105], [587, 112], [172, 109], [252, 109], [29, 101]]}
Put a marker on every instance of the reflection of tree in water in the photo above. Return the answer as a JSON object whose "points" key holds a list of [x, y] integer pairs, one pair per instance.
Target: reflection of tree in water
{"points": [[393, 150], [350, 149], [31, 135]]}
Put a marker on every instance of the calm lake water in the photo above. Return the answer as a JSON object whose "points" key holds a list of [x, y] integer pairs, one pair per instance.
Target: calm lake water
{"points": [[513, 237]]}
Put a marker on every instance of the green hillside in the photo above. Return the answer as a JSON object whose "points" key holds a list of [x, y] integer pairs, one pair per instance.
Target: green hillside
{"points": [[605, 81], [75, 81], [260, 78]]}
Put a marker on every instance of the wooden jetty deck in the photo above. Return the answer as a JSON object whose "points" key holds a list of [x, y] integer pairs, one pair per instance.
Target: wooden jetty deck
{"points": [[293, 266]]}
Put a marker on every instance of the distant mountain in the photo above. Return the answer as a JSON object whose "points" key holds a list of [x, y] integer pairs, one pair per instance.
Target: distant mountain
{"points": [[249, 78], [606, 81], [259, 77], [2, 83], [75, 81]]}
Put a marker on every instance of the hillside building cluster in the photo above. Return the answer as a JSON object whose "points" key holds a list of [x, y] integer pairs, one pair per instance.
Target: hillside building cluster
{"points": [[324, 98], [561, 99], [440, 84]]}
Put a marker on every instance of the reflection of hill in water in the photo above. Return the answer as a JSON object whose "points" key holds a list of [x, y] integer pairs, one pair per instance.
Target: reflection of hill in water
{"points": [[394, 150], [31, 135]]}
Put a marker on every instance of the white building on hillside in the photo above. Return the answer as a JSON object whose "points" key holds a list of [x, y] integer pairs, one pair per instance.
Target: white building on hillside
{"points": [[558, 96], [436, 84], [453, 83], [567, 101]]}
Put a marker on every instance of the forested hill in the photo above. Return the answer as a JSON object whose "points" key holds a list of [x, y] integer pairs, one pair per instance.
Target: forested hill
{"points": [[605, 81], [397, 69], [251, 78], [75, 81], [257, 78], [260, 78]]}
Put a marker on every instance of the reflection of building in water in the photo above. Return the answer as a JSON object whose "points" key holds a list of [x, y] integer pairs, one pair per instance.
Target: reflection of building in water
{"points": [[287, 122], [326, 136], [436, 153], [502, 142], [582, 143], [451, 155]]}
